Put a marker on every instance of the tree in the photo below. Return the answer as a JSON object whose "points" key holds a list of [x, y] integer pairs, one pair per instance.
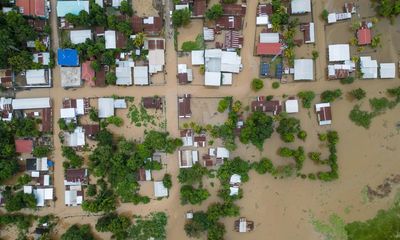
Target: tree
{"points": [[358, 93], [215, 12], [315, 55], [76, 161], [111, 78], [330, 95], [235, 166], [115, 120], [276, 85], [149, 227], [20, 200], [181, 17], [197, 225], [124, 27], [91, 190], [257, 84], [114, 223], [302, 135], [21, 61], [288, 127], [8, 161], [93, 114], [41, 151], [78, 232], [191, 195], [97, 14], [167, 181], [126, 8], [306, 98], [324, 15], [360, 117], [192, 175], [224, 104], [257, 127], [104, 202], [263, 166], [216, 231], [138, 41]]}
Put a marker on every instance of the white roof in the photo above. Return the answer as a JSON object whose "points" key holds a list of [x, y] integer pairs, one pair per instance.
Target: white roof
{"points": [[124, 75], [111, 39], [230, 62], [28, 189], [318, 108], [235, 178], [35, 174], [67, 113], [35, 76], [388, 70], [222, 152], [39, 195], [181, 6], [156, 60], [48, 193], [120, 103], [75, 139], [213, 53], [312, 33], [30, 103], [71, 198], [148, 175], [369, 68], [182, 68], [227, 78], [73, 7], [301, 6], [262, 20], [303, 69], [197, 57], [80, 107], [187, 140], [160, 190], [80, 36], [46, 180], [233, 191], [70, 76], [106, 107], [208, 34], [339, 52], [141, 75], [212, 79], [331, 17], [116, 3], [41, 164], [44, 55], [292, 106], [269, 37]]}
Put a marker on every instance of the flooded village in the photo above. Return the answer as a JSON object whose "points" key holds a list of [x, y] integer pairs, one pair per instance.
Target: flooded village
{"points": [[207, 119]]}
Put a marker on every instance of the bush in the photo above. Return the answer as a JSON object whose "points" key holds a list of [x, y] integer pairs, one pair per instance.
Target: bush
{"points": [[91, 190], [379, 104], [330, 96], [257, 127], [315, 55], [358, 93], [181, 17], [215, 12], [315, 157], [348, 80], [224, 104], [288, 126], [285, 152], [275, 85], [167, 181], [360, 118], [93, 114], [41, 151], [194, 45], [263, 166], [192, 175], [191, 195], [257, 84], [324, 15], [111, 78], [302, 135], [306, 98], [115, 120]]}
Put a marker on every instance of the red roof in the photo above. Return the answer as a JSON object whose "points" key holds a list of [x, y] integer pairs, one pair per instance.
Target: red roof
{"points": [[364, 36], [199, 7], [137, 24], [234, 9], [269, 48], [325, 114], [31, 7], [23, 146], [87, 71], [153, 28], [229, 22]]}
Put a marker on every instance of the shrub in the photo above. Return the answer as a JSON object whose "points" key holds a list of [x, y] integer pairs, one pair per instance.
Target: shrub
{"points": [[306, 98], [224, 104], [348, 80], [315, 55], [275, 85], [358, 93], [379, 104], [167, 181], [181, 17], [91, 190], [330, 96], [257, 84], [360, 118], [214, 12], [41, 151], [315, 157], [285, 152], [263, 166], [324, 15], [191, 195], [288, 126], [111, 78], [302, 135]]}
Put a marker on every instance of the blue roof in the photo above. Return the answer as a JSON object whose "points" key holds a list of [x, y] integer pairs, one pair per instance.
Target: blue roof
{"points": [[279, 70], [264, 69], [74, 7], [68, 57]]}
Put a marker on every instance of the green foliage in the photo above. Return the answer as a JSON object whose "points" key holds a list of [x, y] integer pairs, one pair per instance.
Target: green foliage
{"points": [[360, 117], [376, 40], [302, 135], [104, 202], [22, 221], [324, 15], [124, 27], [285, 152], [315, 157], [306, 98], [181, 17], [25, 127], [333, 138], [41, 151], [257, 127], [115, 120], [288, 127], [23, 180], [348, 80], [161, 141], [315, 54], [216, 231], [192, 175], [263, 166], [280, 17], [75, 160], [197, 225], [126, 8], [21, 61], [257, 84], [379, 104], [82, 19], [151, 226], [333, 230], [330, 96], [140, 116], [192, 195], [8, 161], [358, 93], [91, 190], [276, 85], [237, 105], [167, 181], [224, 104], [194, 45], [394, 92], [235, 166], [114, 223], [215, 12], [19, 200], [93, 114], [227, 131], [78, 232]]}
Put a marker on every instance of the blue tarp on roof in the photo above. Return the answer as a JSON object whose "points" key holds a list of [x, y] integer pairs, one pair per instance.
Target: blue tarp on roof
{"points": [[73, 7], [50, 163], [279, 71], [264, 69], [68, 57]]}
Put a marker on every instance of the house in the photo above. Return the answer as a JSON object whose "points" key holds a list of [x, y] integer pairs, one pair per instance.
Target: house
{"points": [[23, 145], [80, 36], [67, 113], [124, 75], [73, 195], [100, 77], [227, 79], [154, 43], [37, 164], [32, 8], [156, 60], [152, 102], [200, 141], [229, 23], [208, 34], [197, 57], [6, 78], [37, 77], [111, 39], [364, 36], [263, 13], [70, 77], [42, 58], [292, 106], [303, 69], [271, 49], [80, 105], [324, 113], [234, 183], [309, 32], [339, 52], [212, 79], [199, 8], [71, 6], [67, 57], [340, 71], [234, 9], [30, 103], [6, 109], [233, 40], [222, 153], [300, 6], [106, 107], [120, 104], [272, 106], [184, 110], [43, 194], [75, 139], [369, 68], [269, 37], [160, 190], [121, 40], [88, 73], [141, 75], [187, 158], [350, 7], [387, 70], [185, 75], [152, 26], [187, 137], [91, 130], [334, 17], [75, 177], [230, 62]]}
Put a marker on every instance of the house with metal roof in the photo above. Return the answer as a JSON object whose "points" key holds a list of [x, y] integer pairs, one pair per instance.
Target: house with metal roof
{"points": [[68, 57], [71, 6]]}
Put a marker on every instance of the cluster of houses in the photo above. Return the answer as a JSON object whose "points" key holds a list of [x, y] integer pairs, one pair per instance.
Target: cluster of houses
{"points": [[131, 67], [36, 13]]}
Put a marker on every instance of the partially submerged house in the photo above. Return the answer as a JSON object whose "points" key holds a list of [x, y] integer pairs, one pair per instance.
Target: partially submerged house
{"points": [[33, 8], [292, 106], [339, 52], [106, 107], [23, 145], [303, 69], [152, 103], [262, 105], [387, 70], [184, 110], [187, 137], [368, 68], [300, 6], [324, 113], [80, 36], [74, 179], [68, 57], [160, 190], [187, 158]]}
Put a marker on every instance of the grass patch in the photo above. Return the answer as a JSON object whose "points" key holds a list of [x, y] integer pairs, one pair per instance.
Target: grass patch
{"points": [[198, 44]]}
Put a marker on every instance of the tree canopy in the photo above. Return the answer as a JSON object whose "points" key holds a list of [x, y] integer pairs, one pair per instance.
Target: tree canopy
{"points": [[151, 226], [214, 12], [257, 127], [8, 161], [78, 232], [181, 17]]}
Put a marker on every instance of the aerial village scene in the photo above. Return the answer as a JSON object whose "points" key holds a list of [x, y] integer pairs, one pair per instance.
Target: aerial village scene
{"points": [[200, 119]]}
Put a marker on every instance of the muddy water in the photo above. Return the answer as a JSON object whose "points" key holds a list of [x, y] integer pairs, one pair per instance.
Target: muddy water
{"points": [[280, 208]]}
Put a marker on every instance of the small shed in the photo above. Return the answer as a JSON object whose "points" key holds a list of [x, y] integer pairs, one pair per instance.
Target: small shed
{"points": [[124, 75], [80, 36], [387, 70], [212, 79], [106, 107], [292, 106], [111, 39], [160, 190]]}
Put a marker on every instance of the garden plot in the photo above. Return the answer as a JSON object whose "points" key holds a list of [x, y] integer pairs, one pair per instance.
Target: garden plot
{"points": [[190, 32]]}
